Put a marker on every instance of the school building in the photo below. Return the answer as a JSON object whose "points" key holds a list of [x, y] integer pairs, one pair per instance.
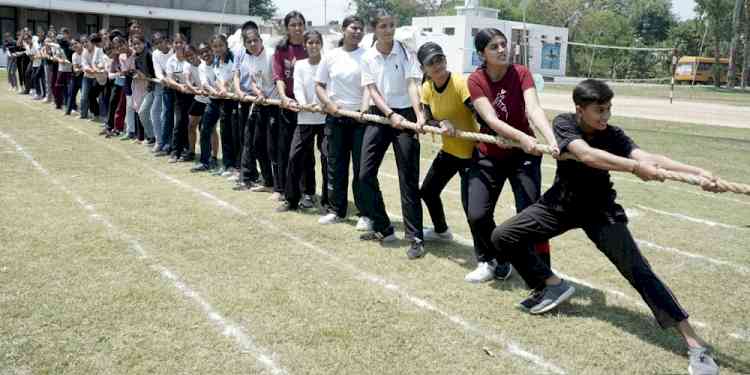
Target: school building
{"points": [[198, 19]]}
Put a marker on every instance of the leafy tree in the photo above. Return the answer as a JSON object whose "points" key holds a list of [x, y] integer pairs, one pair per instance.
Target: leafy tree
{"points": [[718, 14], [264, 9]]}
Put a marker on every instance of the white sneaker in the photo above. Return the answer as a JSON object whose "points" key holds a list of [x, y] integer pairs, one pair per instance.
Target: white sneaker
{"points": [[228, 172], [485, 271], [364, 224], [330, 218], [233, 178], [276, 196], [431, 235]]}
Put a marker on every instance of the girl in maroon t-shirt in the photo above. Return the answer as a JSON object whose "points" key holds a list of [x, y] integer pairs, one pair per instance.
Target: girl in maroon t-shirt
{"points": [[287, 53], [504, 96]]}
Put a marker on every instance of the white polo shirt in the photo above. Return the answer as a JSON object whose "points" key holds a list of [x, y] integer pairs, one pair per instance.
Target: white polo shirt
{"points": [[390, 73], [304, 92], [160, 63], [255, 69], [193, 74], [175, 69], [341, 72]]}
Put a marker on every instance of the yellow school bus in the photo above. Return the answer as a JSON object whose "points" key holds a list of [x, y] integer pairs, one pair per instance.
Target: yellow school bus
{"points": [[699, 69]]}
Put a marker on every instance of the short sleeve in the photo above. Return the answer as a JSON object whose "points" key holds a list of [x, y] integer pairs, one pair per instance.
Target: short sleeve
{"points": [[566, 130], [527, 79], [414, 71], [368, 77], [324, 74], [463, 90], [236, 61], [277, 67], [621, 144], [299, 82], [476, 87], [426, 93]]}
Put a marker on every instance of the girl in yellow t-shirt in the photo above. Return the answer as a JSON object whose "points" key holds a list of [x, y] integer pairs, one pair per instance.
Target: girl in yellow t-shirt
{"points": [[447, 102]]}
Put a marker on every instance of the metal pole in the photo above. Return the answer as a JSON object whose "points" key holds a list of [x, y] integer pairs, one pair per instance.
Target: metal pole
{"points": [[674, 69]]}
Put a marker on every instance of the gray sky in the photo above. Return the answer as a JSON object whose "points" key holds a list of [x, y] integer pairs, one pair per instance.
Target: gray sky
{"points": [[338, 9]]}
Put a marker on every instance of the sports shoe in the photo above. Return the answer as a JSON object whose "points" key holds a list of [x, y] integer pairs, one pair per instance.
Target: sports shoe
{"points": [[379, 237], [227, 172], [416, 250], [200, 168], [286, 207], [485, 271], [307, 201], [701, 362], [276, 196], [261, 189], [535, 296], [431, 235], [173, 159], [188, 157], [503, 271], [330, 218], [553, 295], [234, 177], [242, 187], [161, 153], [364, 224]]}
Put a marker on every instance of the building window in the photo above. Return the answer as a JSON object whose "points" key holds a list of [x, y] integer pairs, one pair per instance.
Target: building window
{"points": [[449, 31], [8, 21], [119, 23], [427, 29], [38, 19], [474, 31], [89, 24], [161, 26]]}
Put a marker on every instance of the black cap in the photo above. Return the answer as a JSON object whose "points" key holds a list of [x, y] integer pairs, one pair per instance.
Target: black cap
{"points": [[429, 51]]}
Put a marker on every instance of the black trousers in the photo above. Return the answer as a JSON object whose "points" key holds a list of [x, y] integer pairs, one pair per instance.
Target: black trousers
{"points": [[280, 141], [22, 64], [182, 105], [264, 119], [302, 164], [484, 185], [541, 222], [248, 163], [114, 101], [442, 170], [344, 141], [375, 143], [38, 80]]}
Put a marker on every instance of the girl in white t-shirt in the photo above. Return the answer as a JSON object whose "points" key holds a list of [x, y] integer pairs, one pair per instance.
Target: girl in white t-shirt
{"points": [[339, 85], [176, 102], [195, 64], [76, 79], [392, 75], [309, 131]]}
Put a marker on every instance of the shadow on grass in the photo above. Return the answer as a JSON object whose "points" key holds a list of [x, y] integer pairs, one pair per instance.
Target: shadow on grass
{"points": [[639, 324]]}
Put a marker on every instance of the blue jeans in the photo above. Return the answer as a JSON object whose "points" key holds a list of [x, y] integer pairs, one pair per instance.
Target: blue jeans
{"points": [[157, 107], [73, 86], [167, 118]]}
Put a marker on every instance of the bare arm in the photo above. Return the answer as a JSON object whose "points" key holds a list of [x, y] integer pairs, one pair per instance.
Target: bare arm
{"points": [[487, 113], [538, 118], [325, 101], [413, 89]]}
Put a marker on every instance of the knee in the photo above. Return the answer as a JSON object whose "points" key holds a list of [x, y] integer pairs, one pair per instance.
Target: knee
{"points": [[502, 238]]}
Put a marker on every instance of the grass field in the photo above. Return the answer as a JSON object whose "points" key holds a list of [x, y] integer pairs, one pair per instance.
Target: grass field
{"points": [[698, 93], [113, 261]]}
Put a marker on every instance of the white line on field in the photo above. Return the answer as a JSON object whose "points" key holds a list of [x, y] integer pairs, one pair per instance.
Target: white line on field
{"points": [[511, 347], [688, 218], [227, 327]]}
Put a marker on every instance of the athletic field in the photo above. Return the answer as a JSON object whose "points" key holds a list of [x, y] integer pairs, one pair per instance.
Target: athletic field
{"points": [[115, 262]]}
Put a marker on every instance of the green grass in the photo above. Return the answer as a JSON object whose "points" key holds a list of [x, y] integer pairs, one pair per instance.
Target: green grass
{"points": [[77, 299], [705, 94]]}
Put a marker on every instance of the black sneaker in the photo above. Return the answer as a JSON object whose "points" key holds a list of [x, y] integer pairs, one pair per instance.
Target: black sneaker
{"points": [[535, 296], [242, 186], [161, 153], [188, 157], [503, 271], [379, 237], [416, 250], [286, 207], [307, 201]]}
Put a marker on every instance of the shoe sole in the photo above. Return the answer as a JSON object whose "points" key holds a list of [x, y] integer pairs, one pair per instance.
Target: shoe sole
{"points": [[563, 297]]}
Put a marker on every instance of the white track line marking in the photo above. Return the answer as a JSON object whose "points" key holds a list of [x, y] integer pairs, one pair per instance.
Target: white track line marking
{"points": [[688, 218], [511, 347], [227, 327]]}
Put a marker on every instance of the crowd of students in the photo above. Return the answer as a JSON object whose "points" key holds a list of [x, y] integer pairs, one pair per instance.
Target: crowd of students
{"points": [[169, 95]]}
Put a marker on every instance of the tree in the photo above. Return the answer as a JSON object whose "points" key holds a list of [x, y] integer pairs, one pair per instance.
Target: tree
{"points": [[746, 54], [736, 18], [718, 14], [264, 9], [651, 20]]}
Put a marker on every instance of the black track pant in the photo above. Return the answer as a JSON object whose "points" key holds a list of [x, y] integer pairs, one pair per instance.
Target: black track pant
{"points": [[301, 175], [344, 142], [279, 142], [405, 143], [181, 123], [442, 170], [540, 222]]}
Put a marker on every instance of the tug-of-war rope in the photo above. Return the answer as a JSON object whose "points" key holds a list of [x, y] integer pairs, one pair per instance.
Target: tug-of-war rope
{"points": [[721, 185]]}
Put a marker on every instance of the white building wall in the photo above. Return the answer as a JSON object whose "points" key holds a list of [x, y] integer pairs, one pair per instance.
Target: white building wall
{"points": [[459, 47]]}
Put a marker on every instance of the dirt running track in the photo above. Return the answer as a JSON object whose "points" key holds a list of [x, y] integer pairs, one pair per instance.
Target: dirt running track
{"points": [[660, 109]]}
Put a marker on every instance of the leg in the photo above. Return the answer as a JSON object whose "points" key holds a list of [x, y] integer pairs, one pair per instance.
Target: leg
{"points": [[375, 142], [356, 136], [442, 170], [483, 186], [526, 182], [338, 164], [144, 114], [157, 106], [266, 115], [248, 168], [167, 118], [207, 130], [227, 133], [300, 149], [323, 150], [406, 149], [286, 132]]}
